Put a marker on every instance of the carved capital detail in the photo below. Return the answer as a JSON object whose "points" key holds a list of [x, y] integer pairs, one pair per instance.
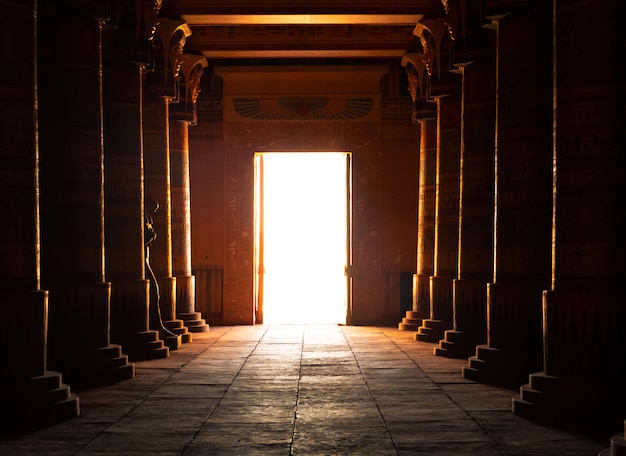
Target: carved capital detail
{"points": [[415, 66], [419, 85], [192, 69]]}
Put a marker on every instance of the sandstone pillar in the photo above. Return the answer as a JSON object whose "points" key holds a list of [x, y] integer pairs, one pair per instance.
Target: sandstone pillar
{"points": [[72, 196], [444, 87], [162, 88], [183, 114], [523, 189], [127, 54], [424, 115], [475, 257], [32, 394], [584, 332]]}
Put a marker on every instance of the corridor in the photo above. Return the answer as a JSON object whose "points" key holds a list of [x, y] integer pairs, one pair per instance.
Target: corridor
{"points": [[300, 390]]}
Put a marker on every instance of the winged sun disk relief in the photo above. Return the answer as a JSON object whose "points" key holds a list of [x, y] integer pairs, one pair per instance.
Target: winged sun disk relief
{"points": [[303, 108]]}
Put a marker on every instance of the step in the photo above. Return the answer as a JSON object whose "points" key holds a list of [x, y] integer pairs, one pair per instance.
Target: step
{"points": [[454, 336], [408, 327], [173, 342], [48, 381], [489, 354], [542, 382], [427, 336], [531, 395], [173, 325], [439, 325], [124, 372], [108, 352], [618, 445], [471, 373], [476, 363]]}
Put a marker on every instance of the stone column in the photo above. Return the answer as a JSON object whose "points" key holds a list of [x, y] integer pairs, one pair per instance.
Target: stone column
{"points": [[31, 393], [444, 87], [523, 200], [424, 115], [162, 88], [127, 54], [182, 115], [426, 216], [446, 220], [72, 193], [584, 333], [476, 213]]}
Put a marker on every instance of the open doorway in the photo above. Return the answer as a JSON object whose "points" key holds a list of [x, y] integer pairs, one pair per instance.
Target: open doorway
{"points": [[302, 237]]}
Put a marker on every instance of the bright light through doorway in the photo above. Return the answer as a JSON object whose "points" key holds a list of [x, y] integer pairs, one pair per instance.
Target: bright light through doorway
{"points": [[301, 211]]}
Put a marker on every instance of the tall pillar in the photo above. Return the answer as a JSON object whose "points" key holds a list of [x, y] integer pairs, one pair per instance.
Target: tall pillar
{"points": [[32, 394], [72, 194], [445, 89], [446, 220], [474, 54], [584, 333], [162, 89], [424, 115], [523, 190], [182, 115], [127, 53]]}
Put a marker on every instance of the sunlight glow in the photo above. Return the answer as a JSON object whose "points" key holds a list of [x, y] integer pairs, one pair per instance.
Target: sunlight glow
{"points": [[304, 233]]}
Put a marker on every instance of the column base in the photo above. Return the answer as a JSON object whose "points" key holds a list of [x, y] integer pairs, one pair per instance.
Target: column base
{"points": [[102, 366], [146, 345], [194, 322], [412, 321], [494, 367], [470, 304], [178, 328], [515, 338], [431, 331], [458, 344], [592, 405], [35, 402], [79, 334], [618, 445], [171, 341]]}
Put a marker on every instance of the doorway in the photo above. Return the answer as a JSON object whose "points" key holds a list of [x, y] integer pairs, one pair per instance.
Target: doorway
{"points": [[302, 237]]}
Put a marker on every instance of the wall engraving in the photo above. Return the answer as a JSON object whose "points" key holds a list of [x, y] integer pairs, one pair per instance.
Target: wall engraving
{"points": [[283, 109]]}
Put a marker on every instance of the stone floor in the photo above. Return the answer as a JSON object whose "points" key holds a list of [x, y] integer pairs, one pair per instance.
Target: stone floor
{"points": [[300, 390]]}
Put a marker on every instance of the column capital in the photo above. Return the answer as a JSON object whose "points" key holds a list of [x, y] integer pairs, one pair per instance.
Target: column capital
{"points": [[133, 27], [171, 35], [192, 69], [432, 33], [415, 65]]}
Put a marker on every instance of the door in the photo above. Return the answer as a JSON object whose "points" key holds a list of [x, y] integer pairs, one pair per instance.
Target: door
{"points": [[302, 237]]}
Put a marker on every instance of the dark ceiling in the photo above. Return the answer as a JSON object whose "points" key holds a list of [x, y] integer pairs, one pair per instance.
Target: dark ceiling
{"points": [[320, 29]]}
